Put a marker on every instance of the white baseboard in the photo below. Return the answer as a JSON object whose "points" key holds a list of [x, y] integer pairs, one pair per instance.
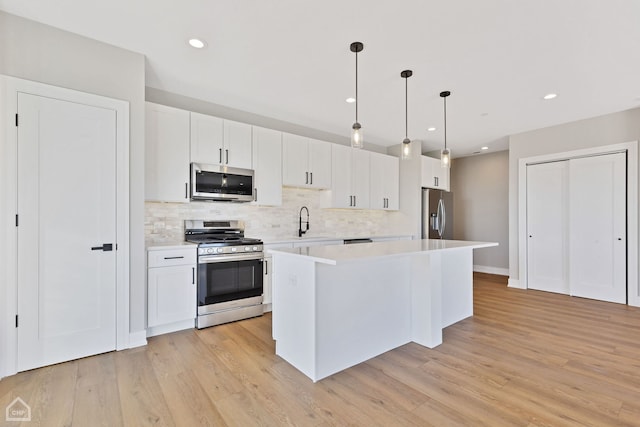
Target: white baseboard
{"points": [[137, 339], [514, 283], [491, 270], [267, 307], [172, 327]]}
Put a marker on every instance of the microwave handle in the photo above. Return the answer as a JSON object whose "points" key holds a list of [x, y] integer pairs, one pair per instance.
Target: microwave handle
{"points": [[186, 190]]}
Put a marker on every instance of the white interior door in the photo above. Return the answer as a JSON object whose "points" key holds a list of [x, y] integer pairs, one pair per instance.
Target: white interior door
{"points": [[547, 234], [66, 206], [597, 224]]}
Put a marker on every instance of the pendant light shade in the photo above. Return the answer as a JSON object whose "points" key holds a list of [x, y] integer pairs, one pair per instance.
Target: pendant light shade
{"points": [[406, 143], [445, 154], [356, 130]]}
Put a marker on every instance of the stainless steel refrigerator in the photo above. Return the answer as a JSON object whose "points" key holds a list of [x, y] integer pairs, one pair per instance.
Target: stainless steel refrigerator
{"points": [[437, 214]]}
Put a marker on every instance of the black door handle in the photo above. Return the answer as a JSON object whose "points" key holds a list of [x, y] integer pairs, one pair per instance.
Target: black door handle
{"points": [[105, 247]]}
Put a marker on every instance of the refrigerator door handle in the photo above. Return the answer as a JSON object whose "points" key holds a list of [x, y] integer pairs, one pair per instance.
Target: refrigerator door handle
{"points": [[441, 217]]}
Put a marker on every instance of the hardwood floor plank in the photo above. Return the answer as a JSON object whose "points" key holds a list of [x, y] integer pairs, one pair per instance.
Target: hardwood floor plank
{"points": [[141, 399], [97, 397]]}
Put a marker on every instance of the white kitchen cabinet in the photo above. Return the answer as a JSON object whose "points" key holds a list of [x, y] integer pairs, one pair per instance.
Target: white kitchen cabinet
{"points": [[237, 144], [215, 141], [384, 176], [349, 177], [304, 243], [434, 175], [166, 154], [306, 162], [267, 164], [171, 289]]}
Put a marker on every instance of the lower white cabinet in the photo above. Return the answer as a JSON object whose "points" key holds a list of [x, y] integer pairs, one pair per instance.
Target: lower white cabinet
{"points": [[171, 290]]}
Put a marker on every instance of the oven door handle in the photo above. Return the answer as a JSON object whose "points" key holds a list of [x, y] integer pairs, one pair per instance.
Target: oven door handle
{"points": [[208, 259]]}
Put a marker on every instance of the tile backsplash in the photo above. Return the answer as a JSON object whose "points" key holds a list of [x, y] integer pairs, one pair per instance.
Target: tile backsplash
{"points": [[164, 222]]}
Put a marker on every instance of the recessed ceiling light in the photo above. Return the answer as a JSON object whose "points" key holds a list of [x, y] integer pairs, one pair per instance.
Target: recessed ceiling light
{"points": [[550, 96], [484, 148], [197, 43], [484, 114], [431, 129], [351, 100]]}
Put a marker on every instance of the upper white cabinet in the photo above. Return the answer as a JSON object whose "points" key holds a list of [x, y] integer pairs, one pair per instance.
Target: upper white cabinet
{"points": [[166, 154], [350, 177], [434, 175], [220, 142], [237, 144], [306, 162], [384, 178], [267, 164]]}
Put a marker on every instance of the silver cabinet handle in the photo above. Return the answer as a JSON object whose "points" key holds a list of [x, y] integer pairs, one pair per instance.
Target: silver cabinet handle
{"points": [[174, 257], [306, 177], [311, 179], [266, 267], [220, 150], [186, 190], [255, 194], [355, 201], [193, 275], [227, 153]]}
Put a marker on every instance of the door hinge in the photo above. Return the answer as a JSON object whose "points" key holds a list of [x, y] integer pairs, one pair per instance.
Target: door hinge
{"points": [[16, 320], [16, 119], [16, 220]]}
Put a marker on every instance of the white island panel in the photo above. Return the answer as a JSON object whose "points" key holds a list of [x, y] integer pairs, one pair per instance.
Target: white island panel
{"points": [[337, 306]]}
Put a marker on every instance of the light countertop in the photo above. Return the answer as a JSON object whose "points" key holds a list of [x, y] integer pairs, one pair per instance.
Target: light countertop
{"points": [[335, 254]]}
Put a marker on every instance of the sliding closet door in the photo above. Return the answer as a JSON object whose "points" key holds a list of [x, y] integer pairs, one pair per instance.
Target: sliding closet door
{"points": [[597, 227], [547, 234]]}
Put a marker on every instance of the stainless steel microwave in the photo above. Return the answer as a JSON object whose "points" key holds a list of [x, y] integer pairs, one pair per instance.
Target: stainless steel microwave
{"points": [[221, 183]]}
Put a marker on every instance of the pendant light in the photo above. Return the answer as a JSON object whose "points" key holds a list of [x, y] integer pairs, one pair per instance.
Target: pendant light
{"points": [[445, 154], [356, 129], [406, 143]]}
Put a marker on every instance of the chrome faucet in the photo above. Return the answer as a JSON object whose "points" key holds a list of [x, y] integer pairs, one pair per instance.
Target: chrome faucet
{"points": [[300, 232]]}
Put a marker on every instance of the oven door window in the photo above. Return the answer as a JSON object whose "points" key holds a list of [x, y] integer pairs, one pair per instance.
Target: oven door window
{"points": [[230, 280]]}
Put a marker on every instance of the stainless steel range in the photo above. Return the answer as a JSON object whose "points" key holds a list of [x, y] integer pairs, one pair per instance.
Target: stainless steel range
{"points": [[230, 271]]}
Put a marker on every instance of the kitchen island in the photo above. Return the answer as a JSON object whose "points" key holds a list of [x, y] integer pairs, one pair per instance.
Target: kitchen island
{"points": [[337, 306]]}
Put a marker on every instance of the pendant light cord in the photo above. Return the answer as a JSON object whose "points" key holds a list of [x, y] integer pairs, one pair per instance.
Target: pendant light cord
{"points": [[406, 108], [445, 122], [356, 86]]}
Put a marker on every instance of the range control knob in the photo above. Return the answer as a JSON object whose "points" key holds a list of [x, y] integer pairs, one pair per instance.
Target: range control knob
{"points": [[247, 248], [210, 250], [220, 250], [255, 248], [234, 249]]}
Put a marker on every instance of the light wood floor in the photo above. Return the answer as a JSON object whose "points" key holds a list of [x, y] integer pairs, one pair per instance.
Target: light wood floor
{"points": [[526, 358]]}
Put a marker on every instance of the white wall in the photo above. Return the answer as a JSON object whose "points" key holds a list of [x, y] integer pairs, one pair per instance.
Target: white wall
{"points": [[33, 51], [598, 131], [480, 187], [165, 221]]}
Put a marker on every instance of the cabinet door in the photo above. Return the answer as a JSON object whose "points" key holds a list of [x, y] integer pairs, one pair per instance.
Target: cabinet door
{"points": [[429, 178], [319, 163], [206, 139], [294, 160], [237, 145], [267, 163], [360, 178], [442, 175], [341, 195], [392, 182], [384, 181], [172, 294], [377, 176], [166, 154]]}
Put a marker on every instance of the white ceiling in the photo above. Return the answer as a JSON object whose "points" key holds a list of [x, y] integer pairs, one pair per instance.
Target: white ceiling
{"points": [[290, 59]]}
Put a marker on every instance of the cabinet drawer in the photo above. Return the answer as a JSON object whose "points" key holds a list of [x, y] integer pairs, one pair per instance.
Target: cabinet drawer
{"points": [[169, 257]]}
